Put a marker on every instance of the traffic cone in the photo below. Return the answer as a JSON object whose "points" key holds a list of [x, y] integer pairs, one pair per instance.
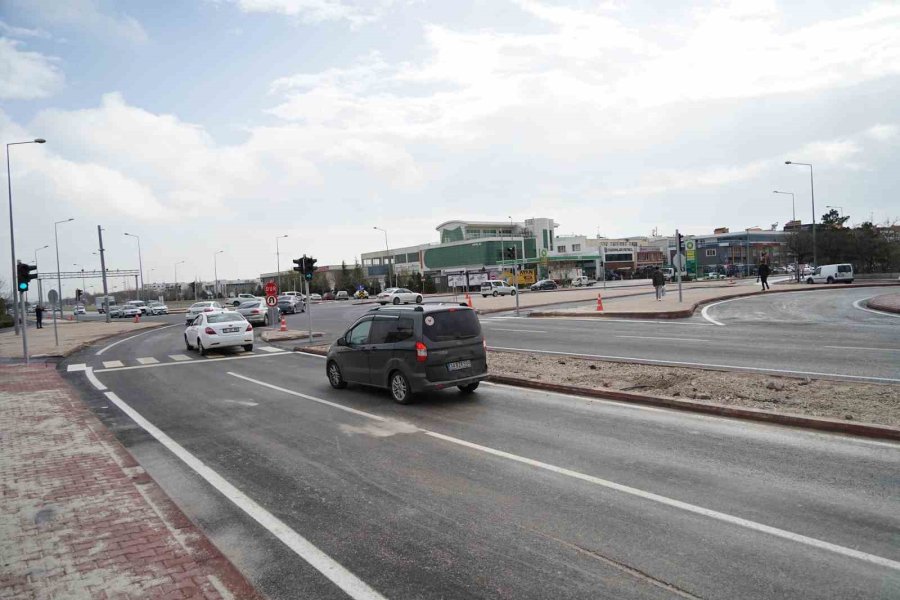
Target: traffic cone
{"points": [[283, 324], [599, 303], [469, 300], [137, 318]]}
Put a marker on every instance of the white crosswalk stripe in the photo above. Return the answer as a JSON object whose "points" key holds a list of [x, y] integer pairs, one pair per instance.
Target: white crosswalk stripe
{"points": [[180, 357], [270, 349], [112, 364], [147, 360]]}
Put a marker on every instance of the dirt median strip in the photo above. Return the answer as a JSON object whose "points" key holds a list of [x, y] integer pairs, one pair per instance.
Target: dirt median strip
{"points": [[863, 409], [886, 302]]}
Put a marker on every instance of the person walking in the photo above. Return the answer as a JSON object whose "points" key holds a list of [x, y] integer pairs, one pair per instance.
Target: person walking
{"points": [[764, 275], [659, 283], [39, 316]]}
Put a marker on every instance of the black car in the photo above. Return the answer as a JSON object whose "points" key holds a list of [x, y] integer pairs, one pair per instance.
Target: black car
{"points": [[544, 284], [411, 349]]}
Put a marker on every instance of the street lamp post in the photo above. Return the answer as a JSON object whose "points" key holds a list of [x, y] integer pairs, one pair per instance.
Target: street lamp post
{"points": [[278, 260], [812, 194], [176, 279], [388, 257], [12, 244], [40, 289], [793, 206], [58, 277], [140, 264], [216, 271]]}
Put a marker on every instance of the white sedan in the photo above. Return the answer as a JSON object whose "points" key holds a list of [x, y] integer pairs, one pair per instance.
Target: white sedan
{"points": [[219, 329], [398, 296]]}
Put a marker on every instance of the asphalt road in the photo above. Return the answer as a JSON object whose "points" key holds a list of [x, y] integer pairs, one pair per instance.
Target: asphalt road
{"points": [[505, 494]]}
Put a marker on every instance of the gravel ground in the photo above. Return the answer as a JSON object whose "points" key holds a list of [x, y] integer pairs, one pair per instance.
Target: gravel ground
{"points": [[871, 403]]}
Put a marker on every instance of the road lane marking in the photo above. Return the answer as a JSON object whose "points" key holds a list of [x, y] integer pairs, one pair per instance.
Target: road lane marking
{"points": [[112, 364], [147, 360], [155, 329], [180, 357], [183, 363], [89, 373], [76, 367], [679, 363], [327, 566], [270, 349], [615, 320], [877, 312], [705, 312], [650, 337], [862, 348], [518, 330], [693, 508]]}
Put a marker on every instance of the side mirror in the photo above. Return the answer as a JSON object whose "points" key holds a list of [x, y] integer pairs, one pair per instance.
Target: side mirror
{"points": [[341, 342]]}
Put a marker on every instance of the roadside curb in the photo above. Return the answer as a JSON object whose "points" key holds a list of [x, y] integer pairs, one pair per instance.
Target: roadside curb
{"points": [[869, 430], [81, 346], [689, 312]]}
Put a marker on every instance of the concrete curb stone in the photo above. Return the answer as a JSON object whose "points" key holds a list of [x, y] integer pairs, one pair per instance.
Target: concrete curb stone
{"points": [[886, 302]]}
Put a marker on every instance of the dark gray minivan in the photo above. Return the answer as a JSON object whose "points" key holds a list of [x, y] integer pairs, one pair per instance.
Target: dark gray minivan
{"points": [[411, 349]]}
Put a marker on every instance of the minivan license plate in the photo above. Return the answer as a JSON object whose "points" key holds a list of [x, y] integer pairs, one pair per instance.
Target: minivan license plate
{"points": [[459, 366]]}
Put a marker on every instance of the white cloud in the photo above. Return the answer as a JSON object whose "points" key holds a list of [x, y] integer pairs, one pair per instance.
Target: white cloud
{"points": [[84, 15], [883, 132], [26, 75], [318, 11], [23, 32]]}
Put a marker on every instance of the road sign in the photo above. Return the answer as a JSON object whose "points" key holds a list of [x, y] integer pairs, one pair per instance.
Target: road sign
{"points": [[678, 261], [271, 290], [271, 301], [52, 296]]}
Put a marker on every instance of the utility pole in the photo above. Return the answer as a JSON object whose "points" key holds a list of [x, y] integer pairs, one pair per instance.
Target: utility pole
{"points": [[679, 264], [103, 270]]}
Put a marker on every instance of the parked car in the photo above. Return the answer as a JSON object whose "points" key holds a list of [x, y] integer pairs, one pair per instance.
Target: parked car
{"points": [[157, 308], [361, 295], [220, 329], [255, 311], [115, 311], [583, 281], [842, 273], [80, 310], [315, 297], [544, 284], [411, 349], [290, 305], [342, 295], [240, 298], [127, 310], [200, 307], [497, 288], [398, 296], [140, 305], [328, 296]]}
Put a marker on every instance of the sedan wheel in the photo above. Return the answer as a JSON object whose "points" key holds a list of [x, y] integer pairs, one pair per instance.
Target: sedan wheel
{"points": [[335, 378], [186, 343], [200, 348], [418, 299], [396, 300], [400, 388], [266, 320]]}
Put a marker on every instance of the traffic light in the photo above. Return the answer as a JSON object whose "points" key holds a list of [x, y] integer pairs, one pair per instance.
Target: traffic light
{"points": [[680, 242], [509, 253], [300, 264], [310, 267], [24, 275], [78, 293]]}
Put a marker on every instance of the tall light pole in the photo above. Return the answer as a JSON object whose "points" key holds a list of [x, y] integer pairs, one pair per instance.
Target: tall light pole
{"points": [[40, 290], [177, 289], [58, 276], [140, 264], [388, 257], [812, 195], [793, 206], [12, 241], [216, 270], [278, 260]]}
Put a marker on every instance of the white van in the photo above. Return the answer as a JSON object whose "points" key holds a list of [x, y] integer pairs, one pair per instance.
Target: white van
{"points": [[497, 287], [842, 273]]}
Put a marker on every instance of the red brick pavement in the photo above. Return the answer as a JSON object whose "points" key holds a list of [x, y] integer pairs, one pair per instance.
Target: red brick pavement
{"points": [[79, 518]]}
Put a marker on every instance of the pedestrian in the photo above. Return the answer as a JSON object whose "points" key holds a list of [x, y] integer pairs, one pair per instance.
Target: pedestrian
{"points": [[764, 275], [39, 316], [659, 283]]}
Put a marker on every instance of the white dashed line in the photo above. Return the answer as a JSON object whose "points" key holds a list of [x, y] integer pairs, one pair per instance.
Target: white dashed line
{"points": [[112, 364], [180, 357], [649, 337], [147, 360], [270, 349]]}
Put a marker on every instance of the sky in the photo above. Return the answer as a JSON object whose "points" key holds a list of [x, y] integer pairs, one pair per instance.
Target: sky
{"points": [[222, 124]]}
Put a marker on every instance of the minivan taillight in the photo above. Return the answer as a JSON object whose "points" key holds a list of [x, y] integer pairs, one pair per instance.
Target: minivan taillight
{"points": [[210, 331], [421, 352]]}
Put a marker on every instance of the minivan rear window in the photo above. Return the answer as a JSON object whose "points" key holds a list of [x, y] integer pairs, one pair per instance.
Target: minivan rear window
{"points": [[844, 268], [451, 325]]}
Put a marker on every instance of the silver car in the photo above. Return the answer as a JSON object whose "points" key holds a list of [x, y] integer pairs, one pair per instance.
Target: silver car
{"points": [[255, 311], [201, 307]]}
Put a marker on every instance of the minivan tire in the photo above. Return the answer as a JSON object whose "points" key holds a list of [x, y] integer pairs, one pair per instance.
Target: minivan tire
{"points": [[468, 388], [829, 280], [399, 386], [495, 294], [512, 293], [810, 280], [335, 377]]}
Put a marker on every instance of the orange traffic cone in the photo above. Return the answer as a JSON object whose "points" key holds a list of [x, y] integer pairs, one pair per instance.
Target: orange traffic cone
{"points": [[469, 300], [137, 318], [283, 324], [599, 303]]}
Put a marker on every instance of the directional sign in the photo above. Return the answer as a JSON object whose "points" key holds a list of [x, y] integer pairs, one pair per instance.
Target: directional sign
{"points": [[678, 261], [271, 301], [52, 296], [271, 290]]}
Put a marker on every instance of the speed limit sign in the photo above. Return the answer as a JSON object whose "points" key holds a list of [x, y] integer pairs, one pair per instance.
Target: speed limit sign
{"points": [[271, 301]]}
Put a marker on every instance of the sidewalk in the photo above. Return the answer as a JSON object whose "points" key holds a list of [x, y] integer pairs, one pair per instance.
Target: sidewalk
{"points": [[79, 518], [73, 335]]}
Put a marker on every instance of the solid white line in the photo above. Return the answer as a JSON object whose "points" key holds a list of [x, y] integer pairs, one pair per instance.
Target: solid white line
{"points": [[75, 368], [89, 372], [861, 348], [692, 364], [518, 330], [650, 337], [615, 320], [337, 574], [155, 329], [705, 312], [148, 360], [180, 357], [871, 310], [194, 362], [111, 364], [731, 519]]}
